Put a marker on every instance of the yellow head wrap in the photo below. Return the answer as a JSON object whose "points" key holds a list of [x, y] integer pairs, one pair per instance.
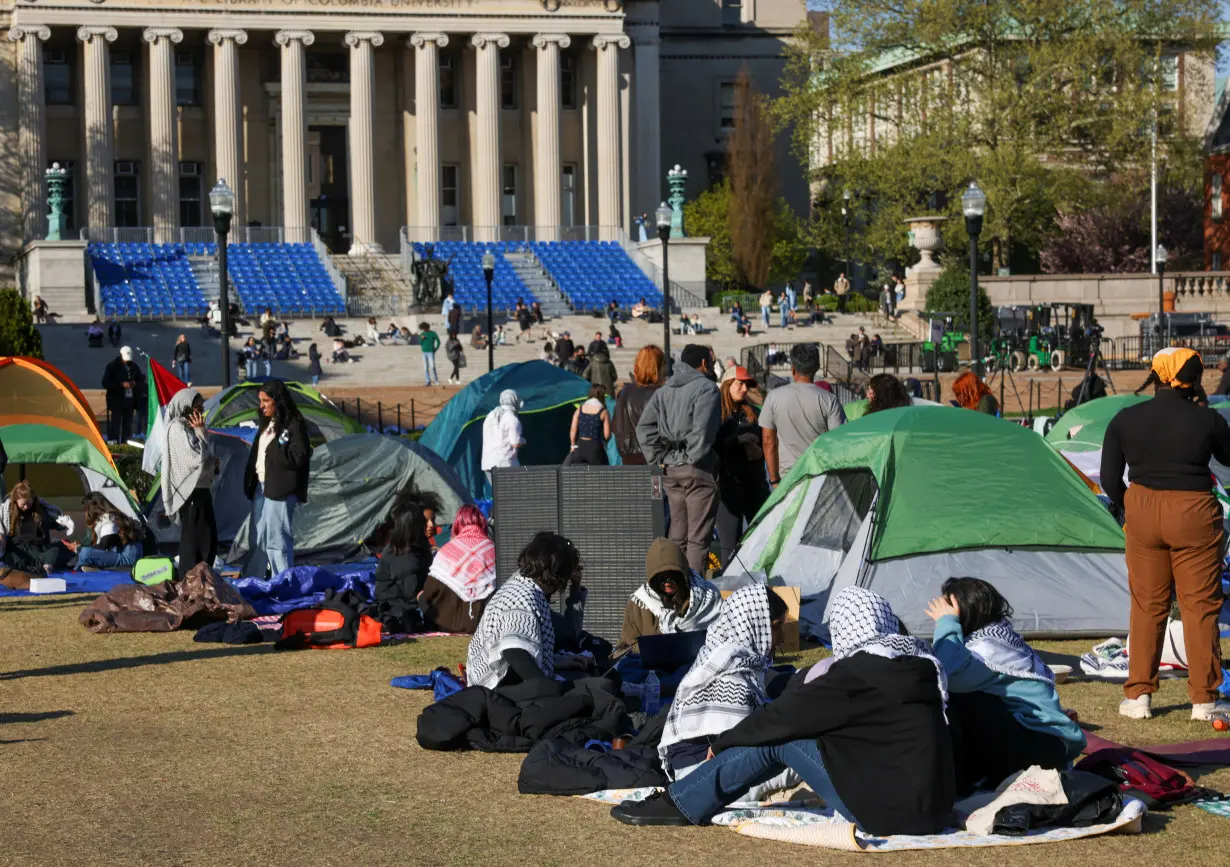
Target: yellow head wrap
{"points": [[1169, 361]]}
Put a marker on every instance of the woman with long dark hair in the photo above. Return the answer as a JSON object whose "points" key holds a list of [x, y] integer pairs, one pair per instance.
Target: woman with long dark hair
{"points": [[885, 391], [276, 477], [743, 485], [115, 539], [406, 558], [26, 524], [188, 468]]}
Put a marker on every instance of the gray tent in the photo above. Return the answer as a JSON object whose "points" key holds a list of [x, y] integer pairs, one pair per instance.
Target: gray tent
{"points": [[353, 482]]}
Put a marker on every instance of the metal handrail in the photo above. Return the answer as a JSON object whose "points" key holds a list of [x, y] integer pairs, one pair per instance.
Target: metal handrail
{"points": [[340, 283]]}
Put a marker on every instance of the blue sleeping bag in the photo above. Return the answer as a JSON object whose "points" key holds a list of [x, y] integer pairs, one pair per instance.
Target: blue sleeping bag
{"points": [[304, 587]]}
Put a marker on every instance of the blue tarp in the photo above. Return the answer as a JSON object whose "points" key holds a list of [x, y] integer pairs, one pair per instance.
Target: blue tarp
{"points": [[79, 582], [305, 586], [549, 395]]}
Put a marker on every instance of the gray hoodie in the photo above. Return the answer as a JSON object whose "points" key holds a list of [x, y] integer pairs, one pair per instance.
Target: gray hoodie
{"points": [[681, 420]]}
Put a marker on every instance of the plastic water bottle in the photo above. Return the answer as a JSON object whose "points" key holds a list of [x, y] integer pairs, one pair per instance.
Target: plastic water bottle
{"points": [[651, 695]]}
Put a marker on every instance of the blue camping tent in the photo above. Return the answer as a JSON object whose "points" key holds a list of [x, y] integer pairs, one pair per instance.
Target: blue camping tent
{"points": [[549, 395]]}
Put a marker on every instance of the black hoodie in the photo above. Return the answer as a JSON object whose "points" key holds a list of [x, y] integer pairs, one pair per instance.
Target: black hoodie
{"points": [[880, 727]]}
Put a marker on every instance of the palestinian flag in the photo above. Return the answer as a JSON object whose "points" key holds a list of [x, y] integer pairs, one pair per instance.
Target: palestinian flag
{"points": [[161, 385]]}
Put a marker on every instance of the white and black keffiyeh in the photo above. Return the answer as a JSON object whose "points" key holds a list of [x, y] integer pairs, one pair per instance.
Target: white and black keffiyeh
{"points": [[517, 618], [704, 607], [864, 622], [185, 453], [1001, 649], [726, 682]]}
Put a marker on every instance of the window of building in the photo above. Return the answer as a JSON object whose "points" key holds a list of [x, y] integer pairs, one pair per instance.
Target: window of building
{"points": [[508, 203], [508, 80], [70, 193], [190, 199], [124, 85], [726, 105], [188, 76], [448, 81], [732, 11], [58, 76], [1215, 197], [568, 201], [449, 177], [1170, 72], [127, 194], [568, 80]]}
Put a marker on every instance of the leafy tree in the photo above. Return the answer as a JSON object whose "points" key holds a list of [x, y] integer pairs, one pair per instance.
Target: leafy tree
{"points": [[950, 294], [707, 216], [18, 335], [753, 186]]}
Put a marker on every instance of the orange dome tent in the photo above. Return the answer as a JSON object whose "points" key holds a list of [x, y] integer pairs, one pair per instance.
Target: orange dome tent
{"points": [[35, 392]]}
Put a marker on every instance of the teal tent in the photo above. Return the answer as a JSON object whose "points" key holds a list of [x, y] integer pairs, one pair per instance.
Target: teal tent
{"points": [[549, 396]]}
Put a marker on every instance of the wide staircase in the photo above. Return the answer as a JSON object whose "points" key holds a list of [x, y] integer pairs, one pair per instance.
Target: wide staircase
{"points": [[376, 284], [532, 273]]}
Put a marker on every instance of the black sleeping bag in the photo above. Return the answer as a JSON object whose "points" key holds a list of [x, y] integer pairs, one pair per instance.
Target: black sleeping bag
{"points": [[562, 766]]}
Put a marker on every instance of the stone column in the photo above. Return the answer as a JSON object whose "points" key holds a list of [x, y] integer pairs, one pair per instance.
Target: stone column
{"points": [[648, 189], [228, 116], [547, 172], [486, 149], [362, 144], [427, 128], [163, 129], [99, 159], [32, 130], [294, 133], [609, 185]]}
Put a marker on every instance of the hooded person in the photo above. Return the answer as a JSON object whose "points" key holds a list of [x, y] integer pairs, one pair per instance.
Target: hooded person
{"points": [[502, 434], [673, 598], [869, 736], [188, 469], [601, 370], [462, 576], [1175, 536]]}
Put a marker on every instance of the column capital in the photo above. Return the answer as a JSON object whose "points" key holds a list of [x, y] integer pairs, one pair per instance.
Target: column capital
{"points": [[217, 37], [542, 40], [85, 34], [482, 40], [418, 40], [354, 37], [285, 37], [153, 34], [618, 40], [40, 32]]}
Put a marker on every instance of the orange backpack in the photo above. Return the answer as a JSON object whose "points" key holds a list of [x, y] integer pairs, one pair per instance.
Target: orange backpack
{"points": [[334, 624]]}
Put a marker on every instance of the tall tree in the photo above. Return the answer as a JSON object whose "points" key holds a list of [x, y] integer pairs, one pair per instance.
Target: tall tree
{"points": [[753, 185], [18, 336]]}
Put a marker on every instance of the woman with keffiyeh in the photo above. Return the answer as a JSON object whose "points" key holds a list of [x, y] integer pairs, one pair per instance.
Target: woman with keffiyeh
{"points": [[1003, 708], [188, 468], [462, 576]]}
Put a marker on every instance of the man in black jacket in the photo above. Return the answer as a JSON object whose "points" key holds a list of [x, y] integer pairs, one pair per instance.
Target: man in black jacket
{"points": [[868, 736], [123, 381], [564, 349]]}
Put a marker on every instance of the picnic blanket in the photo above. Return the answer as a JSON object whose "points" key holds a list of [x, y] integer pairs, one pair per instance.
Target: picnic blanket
{"points": [[1192, 754], [274, 621], [77, 582], [807, 824], [304, 587]]}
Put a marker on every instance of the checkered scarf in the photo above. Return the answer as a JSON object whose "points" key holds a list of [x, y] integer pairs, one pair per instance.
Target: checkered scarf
{"points": [[864, 622], [704, 606], [517, 618], [726, 682], [1001, 649]]}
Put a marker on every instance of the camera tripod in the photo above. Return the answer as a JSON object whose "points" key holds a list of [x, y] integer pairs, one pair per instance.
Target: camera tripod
{"points": [[1095, 357]]}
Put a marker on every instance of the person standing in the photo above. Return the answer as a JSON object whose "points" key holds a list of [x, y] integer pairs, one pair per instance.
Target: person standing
{"points": [[181, 357], [1175, 536], [787, 302], [122, 380], [591, 428], [601, 370], [677, 430], [276, 477], [766, 307], [455, 354], [564, 349], [314, 365], [188, 469], [794, 415], [648, 374], [1223, 367], [429, 341], [841, 288], [525, 321], [250, 353], [502, 434], [742, 485]]}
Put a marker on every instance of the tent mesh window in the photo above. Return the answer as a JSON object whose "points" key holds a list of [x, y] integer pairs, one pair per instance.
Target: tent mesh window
{"points": [[842, 505]]}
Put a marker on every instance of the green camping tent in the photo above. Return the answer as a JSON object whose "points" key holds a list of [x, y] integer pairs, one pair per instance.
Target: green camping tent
{"points": [[44, 444], [901, 500], [1083, 428], [240, 404]]}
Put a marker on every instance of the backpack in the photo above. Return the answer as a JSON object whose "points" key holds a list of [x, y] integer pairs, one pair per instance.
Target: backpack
{"points": [[153, 570], [334, 624], [1142, 776]]}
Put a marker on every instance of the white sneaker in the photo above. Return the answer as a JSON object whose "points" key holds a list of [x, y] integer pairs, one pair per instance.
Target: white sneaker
{"points": [[1206, 711], [1136, 708]]}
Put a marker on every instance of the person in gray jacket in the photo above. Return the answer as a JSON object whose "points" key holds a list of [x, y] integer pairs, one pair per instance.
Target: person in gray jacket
{"points": [[677, 430]]}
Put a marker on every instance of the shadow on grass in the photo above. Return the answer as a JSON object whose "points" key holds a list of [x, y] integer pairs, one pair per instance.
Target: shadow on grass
{"points": [[21, 741], [29, 604], [102, 665], [33, 717]]}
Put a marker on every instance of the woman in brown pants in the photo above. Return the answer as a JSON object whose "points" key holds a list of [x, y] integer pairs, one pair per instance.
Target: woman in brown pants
{"points": [[1175, 538]]}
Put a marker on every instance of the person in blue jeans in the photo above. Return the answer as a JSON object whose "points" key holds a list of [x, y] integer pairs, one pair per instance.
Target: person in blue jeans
{"points": [[1004, 710], [276, 476], [429, 341], [115, 539], [251, 352], [182, 358], [866, 733]]}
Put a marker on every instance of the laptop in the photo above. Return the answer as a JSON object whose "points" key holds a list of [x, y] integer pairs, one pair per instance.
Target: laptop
{"points": [[670, 652]]}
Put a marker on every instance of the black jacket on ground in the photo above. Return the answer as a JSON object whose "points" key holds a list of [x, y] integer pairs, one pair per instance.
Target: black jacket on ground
{"points": [[562, 766], [286, 463], [115, 375], [880, 727]]}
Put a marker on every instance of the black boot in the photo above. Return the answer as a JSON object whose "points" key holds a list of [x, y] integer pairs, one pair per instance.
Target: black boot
{"points": [[657, 809]]}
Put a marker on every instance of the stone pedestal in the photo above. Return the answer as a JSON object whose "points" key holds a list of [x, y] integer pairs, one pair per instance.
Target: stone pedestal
{"points": [[687, 265], [55, 271]]}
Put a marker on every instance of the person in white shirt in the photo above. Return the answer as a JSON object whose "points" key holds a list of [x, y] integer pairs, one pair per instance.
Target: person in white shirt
{"points": [[502, 435]]}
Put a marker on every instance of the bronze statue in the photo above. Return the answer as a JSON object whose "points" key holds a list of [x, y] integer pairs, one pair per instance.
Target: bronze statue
{"points": [[431, 279]]}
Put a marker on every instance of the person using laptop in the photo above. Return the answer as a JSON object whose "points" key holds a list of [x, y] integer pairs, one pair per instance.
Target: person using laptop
{"points": [[673, 598]]}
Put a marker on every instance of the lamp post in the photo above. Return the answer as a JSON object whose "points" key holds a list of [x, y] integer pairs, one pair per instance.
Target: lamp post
{"points": [[489, 275], [1159, 260], [222, 204], [845, 218], [664, 215], [974, 206]]}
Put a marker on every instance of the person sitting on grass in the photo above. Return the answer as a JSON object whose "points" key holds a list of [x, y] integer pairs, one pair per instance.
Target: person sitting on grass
{"points": [[1003, 708], [869, 736], [402, 572], [462, 576], [672, 599], [26, 524], [115, 539], [515, 639], [726, 683]]}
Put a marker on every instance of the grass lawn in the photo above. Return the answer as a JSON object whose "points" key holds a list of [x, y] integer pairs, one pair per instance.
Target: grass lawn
{"points": [[150, 749]]}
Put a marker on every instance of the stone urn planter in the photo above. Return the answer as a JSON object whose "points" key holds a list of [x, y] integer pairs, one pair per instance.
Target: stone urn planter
{"points": [[926, 238]]}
